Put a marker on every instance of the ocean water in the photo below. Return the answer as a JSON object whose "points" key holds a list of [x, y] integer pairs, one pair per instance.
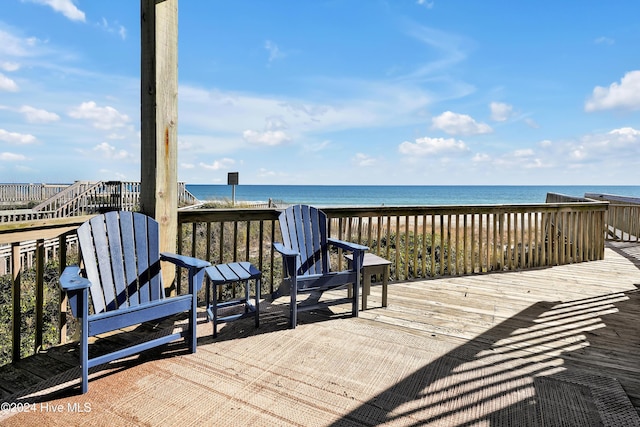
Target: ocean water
{"points": [[406, 195]]}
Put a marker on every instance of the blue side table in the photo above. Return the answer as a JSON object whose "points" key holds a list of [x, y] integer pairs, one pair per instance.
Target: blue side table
{"points": [[223, 274]]}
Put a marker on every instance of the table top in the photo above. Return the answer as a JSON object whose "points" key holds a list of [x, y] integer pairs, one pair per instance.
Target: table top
{"points": [[370, 260], [232, 272]]}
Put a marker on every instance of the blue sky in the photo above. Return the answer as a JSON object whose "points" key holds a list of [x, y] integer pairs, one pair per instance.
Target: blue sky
{"points": [[411, 92]]}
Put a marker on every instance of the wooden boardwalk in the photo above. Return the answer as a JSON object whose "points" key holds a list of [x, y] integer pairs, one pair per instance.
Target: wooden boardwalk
{"points": [[514, 348]]}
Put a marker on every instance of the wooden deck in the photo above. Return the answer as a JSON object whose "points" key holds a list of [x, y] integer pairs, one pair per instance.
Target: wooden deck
{"points": [[495, 349]]}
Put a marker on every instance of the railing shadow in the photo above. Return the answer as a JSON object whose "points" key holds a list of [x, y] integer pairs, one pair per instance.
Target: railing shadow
{"points": [[539, 367], [628, 250]]}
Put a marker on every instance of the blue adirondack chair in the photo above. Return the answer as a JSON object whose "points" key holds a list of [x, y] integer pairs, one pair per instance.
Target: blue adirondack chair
{"points": [[122, 273], [306, 256]]}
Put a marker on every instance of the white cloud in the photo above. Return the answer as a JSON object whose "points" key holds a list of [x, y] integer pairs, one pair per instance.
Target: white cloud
{"points": [[425, 146], [520, 159], [451, 50], [459, 124], [9, 66], [525, 152], [274, 51], [101, 117], [481, 157], [531, 123], [621, 144], [17, 138], [222, 164], [546, 143], [35, 115], [626, 134], [352, 105], [114, 28], [66, 7], [11, 157], [317, 147], [263, 173], [604, 40], [7, 84], [364, 160], [623, 95], [500, 111], [112, 153], [269, 137], [11, 45], [426, 3], [578, 153]]}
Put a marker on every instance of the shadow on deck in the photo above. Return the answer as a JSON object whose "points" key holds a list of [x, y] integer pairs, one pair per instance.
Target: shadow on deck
{"points": [[555, 346]]}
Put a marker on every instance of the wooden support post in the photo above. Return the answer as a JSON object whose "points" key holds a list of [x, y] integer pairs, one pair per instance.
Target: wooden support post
{"points": [[159, 120]]}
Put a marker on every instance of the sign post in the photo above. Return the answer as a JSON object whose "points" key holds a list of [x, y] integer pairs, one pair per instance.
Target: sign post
{"points": [[232, 180]]}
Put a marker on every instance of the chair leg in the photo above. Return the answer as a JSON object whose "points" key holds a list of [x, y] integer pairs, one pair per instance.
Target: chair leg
{"points": [[193, 324], [294, 308], [84, 341], [257, 281], [195, 278], [357, 264], [214, 309]]}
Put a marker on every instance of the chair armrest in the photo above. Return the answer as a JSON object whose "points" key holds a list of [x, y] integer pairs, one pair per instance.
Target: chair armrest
{"points": [[184, 261], [347, 246], [71, 280], [285, 251], [195, 266], [77, 289]]}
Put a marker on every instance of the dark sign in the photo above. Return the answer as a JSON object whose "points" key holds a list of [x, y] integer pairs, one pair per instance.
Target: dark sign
{"points": [[232, 178]]}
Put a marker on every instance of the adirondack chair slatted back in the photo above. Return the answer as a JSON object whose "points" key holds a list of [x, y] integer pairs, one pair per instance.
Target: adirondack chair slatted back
{"points": [[304, 229], [121, 256]]}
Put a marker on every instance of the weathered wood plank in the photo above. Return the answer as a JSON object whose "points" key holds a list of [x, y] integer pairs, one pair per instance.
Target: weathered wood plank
{"points": [[159, 115], [585, 317]]}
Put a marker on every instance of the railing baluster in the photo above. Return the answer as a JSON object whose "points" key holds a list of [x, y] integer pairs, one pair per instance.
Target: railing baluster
{"points": [[397, 249], [424, 246]]}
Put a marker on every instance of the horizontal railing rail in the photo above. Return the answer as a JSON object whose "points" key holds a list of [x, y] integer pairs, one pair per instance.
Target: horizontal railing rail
{"points": [[420, 242], [18, 215]]}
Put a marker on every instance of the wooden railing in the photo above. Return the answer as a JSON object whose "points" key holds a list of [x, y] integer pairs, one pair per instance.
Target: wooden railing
{"points": [[421, 242], [69, 201], [623, 216], [85, 198], [29, 252], [16, 193], [26, 291]]}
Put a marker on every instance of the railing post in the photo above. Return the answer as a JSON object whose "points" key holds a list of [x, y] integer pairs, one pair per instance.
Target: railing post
{"points": [[39, 294], [62, 318], [16, 316]]}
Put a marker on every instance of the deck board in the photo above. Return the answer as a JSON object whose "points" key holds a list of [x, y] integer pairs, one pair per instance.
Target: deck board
{"points": [[575, 321], [597, 302]]}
